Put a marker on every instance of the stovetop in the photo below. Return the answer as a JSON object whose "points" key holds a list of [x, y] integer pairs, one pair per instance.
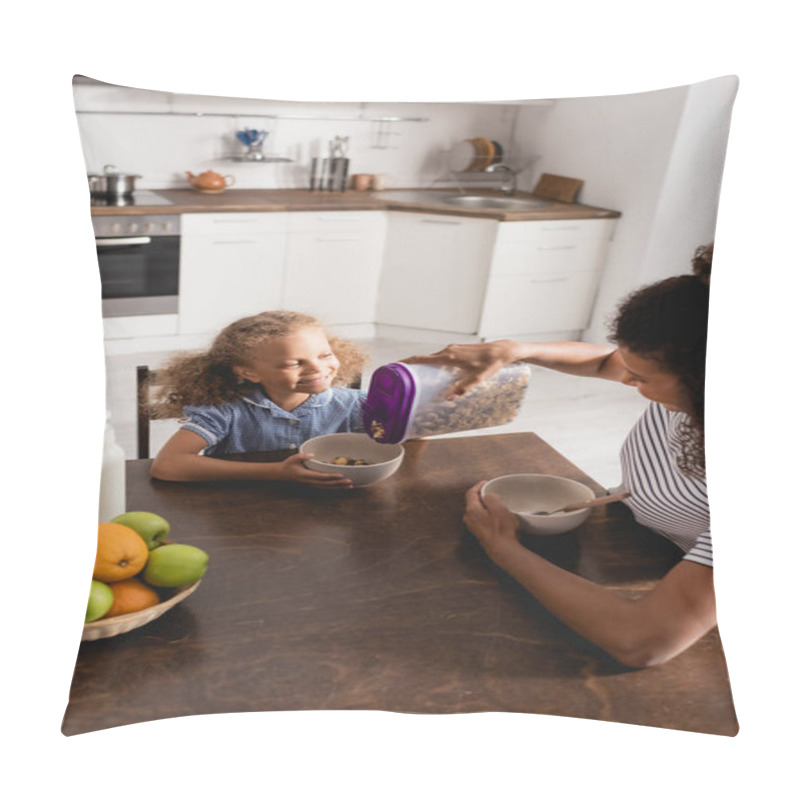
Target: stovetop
{"points": [[142, 197]]}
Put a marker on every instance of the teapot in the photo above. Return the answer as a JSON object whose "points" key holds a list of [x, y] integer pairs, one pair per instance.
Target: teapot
{"points": [[210, 181]]}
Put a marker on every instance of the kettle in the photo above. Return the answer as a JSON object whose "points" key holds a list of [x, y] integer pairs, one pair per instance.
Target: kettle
{"points": [[210, 181]]}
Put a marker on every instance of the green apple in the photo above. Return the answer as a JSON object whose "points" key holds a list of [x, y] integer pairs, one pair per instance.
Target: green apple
{"points": [[173, 565], [151, 527], [100, 599]]}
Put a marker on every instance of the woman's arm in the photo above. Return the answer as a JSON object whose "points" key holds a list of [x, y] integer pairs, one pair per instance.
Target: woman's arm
{"points": [[481, 361], [180, 460], [638, 633]]}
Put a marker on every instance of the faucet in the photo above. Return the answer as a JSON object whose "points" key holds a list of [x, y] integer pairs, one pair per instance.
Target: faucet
{"points": [[509, 182]]}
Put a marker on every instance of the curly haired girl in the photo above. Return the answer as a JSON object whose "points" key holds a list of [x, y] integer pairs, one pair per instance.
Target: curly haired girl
{"points": [[267, 382]]}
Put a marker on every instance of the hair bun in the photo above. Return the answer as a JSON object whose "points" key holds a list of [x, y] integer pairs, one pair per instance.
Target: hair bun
{"points": [[701, 263]]}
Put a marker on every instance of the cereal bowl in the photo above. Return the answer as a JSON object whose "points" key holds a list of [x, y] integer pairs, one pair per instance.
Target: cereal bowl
{"points": [[528, 493], [382, 460]]}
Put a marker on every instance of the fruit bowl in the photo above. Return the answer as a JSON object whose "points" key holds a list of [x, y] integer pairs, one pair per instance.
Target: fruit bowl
{"points": [[113, 626]]}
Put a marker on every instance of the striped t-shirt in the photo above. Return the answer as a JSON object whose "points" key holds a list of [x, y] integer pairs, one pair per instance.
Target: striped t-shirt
{"points": [[662, 497]]}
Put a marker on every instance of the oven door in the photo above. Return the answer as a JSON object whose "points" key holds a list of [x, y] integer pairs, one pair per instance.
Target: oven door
{"points": [[139, 274]]}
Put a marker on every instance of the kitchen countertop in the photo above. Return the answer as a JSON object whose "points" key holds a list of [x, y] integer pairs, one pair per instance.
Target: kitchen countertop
{"points": [[188, 201]]}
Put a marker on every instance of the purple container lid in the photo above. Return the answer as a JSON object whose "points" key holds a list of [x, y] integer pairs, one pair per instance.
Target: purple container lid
{"points": [[390, 399]]}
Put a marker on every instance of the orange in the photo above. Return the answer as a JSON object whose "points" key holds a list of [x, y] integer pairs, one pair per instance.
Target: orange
{"points": [[121, 553], [131, 595]]}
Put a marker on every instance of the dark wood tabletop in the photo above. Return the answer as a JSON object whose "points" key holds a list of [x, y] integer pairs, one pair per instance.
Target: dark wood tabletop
{"points": [[379, 598]]}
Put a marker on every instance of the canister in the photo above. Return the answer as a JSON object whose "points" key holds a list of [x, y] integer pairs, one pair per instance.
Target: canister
{"points": [[408, 401], [112, 476]]}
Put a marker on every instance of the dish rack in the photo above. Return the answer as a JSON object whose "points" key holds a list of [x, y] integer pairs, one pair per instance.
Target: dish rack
{"points": [[471, 165], [474, 155], [480, 162]]}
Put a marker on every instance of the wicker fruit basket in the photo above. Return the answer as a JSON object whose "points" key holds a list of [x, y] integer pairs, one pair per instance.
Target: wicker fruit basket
{"points": [[113, 626]]}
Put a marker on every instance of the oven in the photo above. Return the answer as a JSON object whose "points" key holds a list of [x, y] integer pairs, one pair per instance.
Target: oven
{"points": [[139, 259]]}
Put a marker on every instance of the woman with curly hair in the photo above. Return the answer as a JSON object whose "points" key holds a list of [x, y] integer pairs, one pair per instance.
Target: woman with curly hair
{"points": [[659, 336], [267, 382]]}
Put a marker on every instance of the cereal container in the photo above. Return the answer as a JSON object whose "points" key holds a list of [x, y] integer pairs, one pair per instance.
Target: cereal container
{"points": [[406, 401]]}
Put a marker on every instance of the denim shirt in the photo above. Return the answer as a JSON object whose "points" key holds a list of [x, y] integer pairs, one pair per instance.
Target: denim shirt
{"points": [[255, 423]]}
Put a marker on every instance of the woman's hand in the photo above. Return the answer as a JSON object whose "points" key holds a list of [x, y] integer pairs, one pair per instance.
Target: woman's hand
{"points": [[492, 524], [640, 633], [477, 361], [294, 469], [480, 361]]}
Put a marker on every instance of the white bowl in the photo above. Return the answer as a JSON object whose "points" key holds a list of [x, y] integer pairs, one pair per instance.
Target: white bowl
{"points": [[528, 493], [385, 458]]}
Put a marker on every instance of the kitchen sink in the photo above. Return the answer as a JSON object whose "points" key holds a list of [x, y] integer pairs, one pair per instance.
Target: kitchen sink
{"points": [[452, 198], [507, 203], [415, 196]]}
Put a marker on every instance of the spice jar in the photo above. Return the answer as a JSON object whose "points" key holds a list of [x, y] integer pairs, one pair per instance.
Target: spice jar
{"points": [[407, 401]]}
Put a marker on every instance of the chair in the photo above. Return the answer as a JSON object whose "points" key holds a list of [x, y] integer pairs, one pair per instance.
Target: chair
{"points": [[143, 412], [144, 408]]}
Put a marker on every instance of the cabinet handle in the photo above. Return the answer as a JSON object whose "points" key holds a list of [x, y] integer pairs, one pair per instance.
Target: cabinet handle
{"points": [[122, 242], [557, 247], [338, 238], [338, 219], [549, 280], [441, 221]]}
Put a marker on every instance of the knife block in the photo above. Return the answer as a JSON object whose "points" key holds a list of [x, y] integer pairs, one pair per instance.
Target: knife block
{"points": [[329, 174]]}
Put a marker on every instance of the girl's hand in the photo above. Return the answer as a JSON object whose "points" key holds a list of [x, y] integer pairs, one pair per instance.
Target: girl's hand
{"points": [[492, 524], [477, 361], [293, 469]]}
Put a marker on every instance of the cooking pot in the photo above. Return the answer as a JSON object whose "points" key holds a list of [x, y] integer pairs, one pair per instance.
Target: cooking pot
{"points": [[112, 183], [97, 185]]}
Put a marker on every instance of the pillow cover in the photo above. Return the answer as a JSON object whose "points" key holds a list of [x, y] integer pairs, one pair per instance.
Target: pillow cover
{"points": [[380, 599]]}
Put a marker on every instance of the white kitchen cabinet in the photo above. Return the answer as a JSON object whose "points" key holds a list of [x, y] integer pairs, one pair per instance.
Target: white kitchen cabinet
{"points": [[543, 277], [491, 279], [231, 265], [549, 302], [333, 263], [434, 271]]}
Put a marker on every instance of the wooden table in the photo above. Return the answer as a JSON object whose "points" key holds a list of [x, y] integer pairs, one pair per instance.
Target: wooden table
{"points": [[379, 598]]}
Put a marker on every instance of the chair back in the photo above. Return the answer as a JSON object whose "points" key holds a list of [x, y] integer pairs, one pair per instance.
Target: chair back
{"points": [[145, 409], [142, 412]]}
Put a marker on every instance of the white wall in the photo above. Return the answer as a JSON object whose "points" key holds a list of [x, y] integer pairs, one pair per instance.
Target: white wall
{"points": [[656, 157], [687, 211]]}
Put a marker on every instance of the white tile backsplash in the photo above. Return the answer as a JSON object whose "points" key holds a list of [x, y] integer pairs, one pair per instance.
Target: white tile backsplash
{"points": [[162, 146]]}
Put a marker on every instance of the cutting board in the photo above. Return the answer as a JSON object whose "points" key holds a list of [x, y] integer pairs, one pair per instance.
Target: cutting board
{"points": [[558, 188]]}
